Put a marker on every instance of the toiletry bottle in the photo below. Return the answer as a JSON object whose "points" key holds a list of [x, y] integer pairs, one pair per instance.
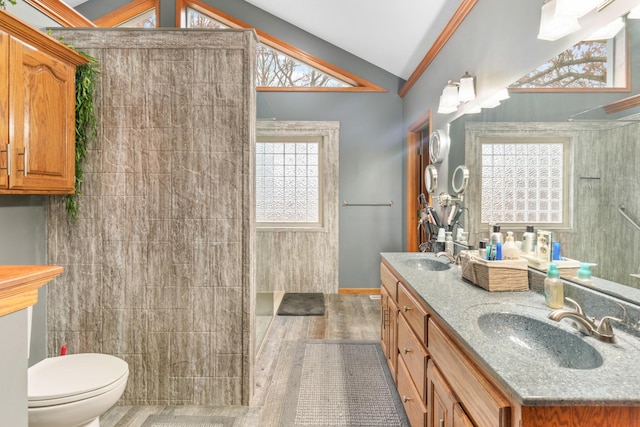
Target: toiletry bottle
{"points": [[482, 249], [498, 254], [584, 275], [509, 249], [555, 251], [553, 288], [528, 240], [448, 243], [496, 235]]}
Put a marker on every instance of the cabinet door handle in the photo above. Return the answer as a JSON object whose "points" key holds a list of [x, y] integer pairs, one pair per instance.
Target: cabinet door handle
{"points": [[25, 157], [406, 350], [405, 308], [405, 399], [8, 151], [441, 422]]}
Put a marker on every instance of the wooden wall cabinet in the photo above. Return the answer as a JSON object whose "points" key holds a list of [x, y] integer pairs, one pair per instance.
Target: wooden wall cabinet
{"points": [[37, 111]]}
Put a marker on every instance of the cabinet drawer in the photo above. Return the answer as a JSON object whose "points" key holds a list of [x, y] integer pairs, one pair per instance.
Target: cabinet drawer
{"points": [[482, 401], [413, 312], [413, 404], [389, 281], [414, 356]]}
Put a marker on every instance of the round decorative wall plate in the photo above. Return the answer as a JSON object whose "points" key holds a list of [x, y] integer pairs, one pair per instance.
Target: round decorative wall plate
{"points": [[438, 146]]}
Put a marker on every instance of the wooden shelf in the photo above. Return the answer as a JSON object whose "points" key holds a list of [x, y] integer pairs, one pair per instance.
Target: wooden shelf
{"points": [[19, 285]]}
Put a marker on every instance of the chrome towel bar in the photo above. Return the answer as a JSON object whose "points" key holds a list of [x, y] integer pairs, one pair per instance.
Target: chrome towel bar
{"points": [[621, 209], [389, 203]]}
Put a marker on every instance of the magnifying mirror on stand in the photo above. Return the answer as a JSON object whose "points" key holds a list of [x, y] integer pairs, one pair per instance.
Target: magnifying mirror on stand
{"points": [[459, 183]]}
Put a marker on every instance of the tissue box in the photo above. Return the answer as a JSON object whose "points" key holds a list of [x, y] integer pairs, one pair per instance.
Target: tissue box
{"points": [[495, 276]]}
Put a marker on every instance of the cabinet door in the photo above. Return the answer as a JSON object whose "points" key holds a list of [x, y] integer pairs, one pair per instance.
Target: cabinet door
{"points": [[4, 109], [42, 116], [440, 400], [384, 320], [460, 418], [393, 337]]}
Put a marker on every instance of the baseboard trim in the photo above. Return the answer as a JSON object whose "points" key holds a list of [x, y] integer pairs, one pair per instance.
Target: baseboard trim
{"points": [[358, 291]]}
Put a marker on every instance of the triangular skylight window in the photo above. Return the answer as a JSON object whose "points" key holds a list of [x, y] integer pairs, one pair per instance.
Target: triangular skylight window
{"points": [[278, 68]]}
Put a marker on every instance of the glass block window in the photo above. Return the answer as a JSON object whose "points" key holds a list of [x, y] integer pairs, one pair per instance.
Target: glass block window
{"points": [[288, 182], [524, 182]]}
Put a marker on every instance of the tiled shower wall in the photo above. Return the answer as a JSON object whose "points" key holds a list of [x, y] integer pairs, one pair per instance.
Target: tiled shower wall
{"points": [[604, 175], [160, 267]]}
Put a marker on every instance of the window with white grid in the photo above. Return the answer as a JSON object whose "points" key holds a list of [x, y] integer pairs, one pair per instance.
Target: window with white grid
{"points": [[525, 182], [288, 190]]}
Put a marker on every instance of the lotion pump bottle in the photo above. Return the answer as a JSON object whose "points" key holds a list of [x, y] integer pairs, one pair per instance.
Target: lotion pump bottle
{"points": [[528, 240], [553, 288], [509, 249], [584, 275]]}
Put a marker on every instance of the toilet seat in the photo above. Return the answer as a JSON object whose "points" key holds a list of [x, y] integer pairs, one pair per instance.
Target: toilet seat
{"points": [[64, 379]]}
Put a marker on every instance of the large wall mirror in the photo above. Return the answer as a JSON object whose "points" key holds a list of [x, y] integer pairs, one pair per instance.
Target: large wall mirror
{"points": [[603, 172]]}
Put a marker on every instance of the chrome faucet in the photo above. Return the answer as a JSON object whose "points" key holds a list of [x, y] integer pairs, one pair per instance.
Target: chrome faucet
{"points": [[600, 330], [450, 257]]}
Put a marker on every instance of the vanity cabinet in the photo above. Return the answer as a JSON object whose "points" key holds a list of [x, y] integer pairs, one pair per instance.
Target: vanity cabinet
{"points": [[437, 382], [37, 111]]}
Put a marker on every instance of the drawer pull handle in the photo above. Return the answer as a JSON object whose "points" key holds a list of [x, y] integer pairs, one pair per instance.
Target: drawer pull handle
{"points": [[405, 308], [441, 422], [405, 399], [406, 350]]}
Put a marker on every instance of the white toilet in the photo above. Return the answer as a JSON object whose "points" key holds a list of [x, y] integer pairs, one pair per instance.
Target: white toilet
{"points": [[74, 390]]}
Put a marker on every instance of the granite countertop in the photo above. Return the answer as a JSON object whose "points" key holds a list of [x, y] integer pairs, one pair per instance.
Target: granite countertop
{"points": [[527, 375]]}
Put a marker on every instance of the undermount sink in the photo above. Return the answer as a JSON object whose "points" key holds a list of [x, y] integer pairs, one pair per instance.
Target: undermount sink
{"points": [[427, 264], [538, 341]]}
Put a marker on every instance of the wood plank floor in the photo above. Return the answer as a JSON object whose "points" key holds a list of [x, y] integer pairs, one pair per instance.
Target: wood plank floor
{"points": [[346, 317]]}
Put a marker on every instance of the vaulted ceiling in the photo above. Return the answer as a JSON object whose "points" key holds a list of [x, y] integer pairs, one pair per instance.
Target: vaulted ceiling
{"points": [[393, 36]]}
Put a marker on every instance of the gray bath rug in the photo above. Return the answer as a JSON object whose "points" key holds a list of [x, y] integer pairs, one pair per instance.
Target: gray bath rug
{"points": [[187, 421], [341, 383], [302, 304]]}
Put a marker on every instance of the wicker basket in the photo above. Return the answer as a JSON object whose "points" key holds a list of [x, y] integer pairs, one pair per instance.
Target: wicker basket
{"points": [[495, 276]]}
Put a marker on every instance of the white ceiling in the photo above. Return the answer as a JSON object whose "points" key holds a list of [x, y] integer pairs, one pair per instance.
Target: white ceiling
{"points": [[391, 34]]}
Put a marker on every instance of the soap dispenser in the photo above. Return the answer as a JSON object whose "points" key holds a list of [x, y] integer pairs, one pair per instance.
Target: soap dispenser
{"points": [[584, 275], [553, 288], [509, 249]]}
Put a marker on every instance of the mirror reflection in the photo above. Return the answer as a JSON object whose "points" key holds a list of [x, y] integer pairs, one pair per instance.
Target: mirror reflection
{"points": [[599, 196]]}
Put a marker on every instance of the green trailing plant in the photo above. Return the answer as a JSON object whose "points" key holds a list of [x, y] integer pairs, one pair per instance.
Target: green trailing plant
{"points": [[86, 126]]}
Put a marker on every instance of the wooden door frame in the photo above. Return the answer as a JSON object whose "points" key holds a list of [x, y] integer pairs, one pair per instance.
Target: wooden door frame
{"points": [[413, 169]]}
